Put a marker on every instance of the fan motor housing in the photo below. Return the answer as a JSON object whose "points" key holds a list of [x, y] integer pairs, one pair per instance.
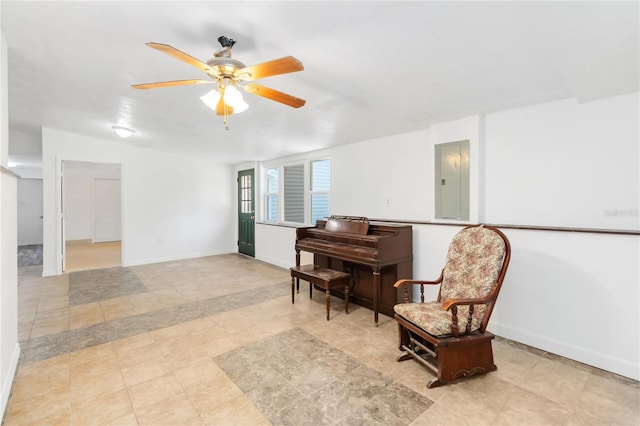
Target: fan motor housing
{"points": [[225, 66]]}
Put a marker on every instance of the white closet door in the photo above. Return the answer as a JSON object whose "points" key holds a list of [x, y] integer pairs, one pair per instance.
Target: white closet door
{"points": [[106, 210]]}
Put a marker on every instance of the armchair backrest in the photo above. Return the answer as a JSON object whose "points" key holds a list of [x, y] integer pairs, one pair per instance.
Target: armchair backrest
{"points": [[476, 264]]}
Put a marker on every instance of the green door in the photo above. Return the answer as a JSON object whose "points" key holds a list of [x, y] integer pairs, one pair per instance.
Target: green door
{"points": [[246, 213]]}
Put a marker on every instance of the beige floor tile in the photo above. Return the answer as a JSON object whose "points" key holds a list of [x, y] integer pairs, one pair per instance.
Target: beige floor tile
{"points": [[49, 303], [556, 381], [154, 391], [116, 311], [208, 395], [85, 315], [144, 371], [90, 387], [128, 344], [198, 370], [482, 395], [176, 410], [95, 361], [126, 420], [40, 408], [238, 411], [219, 346], [46, 330], [608, 400], [437, 415], [528, 408], [102, 410], [134, 355]]}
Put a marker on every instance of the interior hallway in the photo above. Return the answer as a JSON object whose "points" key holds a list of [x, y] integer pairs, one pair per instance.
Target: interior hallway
{"points": [[217, 341]]}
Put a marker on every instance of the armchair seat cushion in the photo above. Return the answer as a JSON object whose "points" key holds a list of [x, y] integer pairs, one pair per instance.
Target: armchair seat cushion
{"points": [[436, 321]]}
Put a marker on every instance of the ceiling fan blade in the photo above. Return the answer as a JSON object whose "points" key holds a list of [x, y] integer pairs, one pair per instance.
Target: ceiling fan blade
{"points": [[180, 55], [274, 95], [169, 84], [267, 69]]}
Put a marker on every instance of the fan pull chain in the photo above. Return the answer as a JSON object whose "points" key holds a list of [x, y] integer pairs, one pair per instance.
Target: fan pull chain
{"points": [[226, 117], [225, 107]]}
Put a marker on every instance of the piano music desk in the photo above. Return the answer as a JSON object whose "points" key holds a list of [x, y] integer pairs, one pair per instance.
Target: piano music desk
{"points": [[323, 278]]}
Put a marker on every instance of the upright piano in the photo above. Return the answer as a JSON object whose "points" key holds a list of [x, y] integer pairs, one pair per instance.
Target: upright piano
{"points": [[375, 254]]}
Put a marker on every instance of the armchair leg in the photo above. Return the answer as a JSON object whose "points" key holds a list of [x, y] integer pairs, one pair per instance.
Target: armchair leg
{"points": [[403, 357], [403, 337]]}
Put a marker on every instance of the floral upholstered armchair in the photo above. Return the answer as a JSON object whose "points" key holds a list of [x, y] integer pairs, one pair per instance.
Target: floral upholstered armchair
{"points": [[449, 335]]}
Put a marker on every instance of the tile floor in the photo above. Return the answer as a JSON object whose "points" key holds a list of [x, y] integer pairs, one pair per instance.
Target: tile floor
{"points": [[216, 341], [82, 255]]}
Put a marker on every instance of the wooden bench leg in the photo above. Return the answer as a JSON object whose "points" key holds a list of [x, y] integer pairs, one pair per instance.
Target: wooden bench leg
{"points": [[293, 295], [328, 297], [346, 298]]}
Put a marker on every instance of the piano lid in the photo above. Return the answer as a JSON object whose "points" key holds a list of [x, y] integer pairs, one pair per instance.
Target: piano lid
{"points": [[347, 225]]}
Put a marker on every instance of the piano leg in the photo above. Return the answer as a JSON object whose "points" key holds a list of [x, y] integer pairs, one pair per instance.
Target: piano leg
{"points": [[297, 279], [376, 292]]}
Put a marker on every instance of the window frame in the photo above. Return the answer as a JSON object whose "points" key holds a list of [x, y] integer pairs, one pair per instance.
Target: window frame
{"points": [[268, 193], [306, 162], [313, 192]]}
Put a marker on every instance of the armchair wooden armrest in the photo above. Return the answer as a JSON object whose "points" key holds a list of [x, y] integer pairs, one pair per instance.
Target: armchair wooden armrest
{"points": [[449, 303], [452, 305], [406, 282]]}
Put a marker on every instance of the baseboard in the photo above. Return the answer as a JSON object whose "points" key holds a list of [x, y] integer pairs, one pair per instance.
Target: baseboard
{"points": [[8, 383], [174, 258], [623, 367], [277, 262], [49, 273]]}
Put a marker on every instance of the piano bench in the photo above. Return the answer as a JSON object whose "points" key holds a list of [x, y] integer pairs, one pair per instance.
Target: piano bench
{"points": [[323, 278]]}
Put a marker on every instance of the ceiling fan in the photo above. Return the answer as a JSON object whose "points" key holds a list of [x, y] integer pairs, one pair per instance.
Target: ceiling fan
{"points": [[230, 73]]}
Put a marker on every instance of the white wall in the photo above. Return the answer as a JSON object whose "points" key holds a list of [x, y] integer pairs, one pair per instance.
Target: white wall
{"points": [[29, 211], [25, 150], [173, 207], [555, 164], [384, 178], [565, 164], [9, 347]]}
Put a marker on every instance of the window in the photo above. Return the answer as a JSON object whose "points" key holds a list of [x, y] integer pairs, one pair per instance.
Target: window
{"points": [[272, 195], [320, 186], [298, 192], [294, 193]]}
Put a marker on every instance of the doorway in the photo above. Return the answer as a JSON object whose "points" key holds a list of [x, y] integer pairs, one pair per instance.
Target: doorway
{"points": [[246, 213], [91, 215], [30, 215]]}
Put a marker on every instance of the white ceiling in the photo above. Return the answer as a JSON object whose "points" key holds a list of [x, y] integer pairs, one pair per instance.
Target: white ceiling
{"points": [[371, 68]]}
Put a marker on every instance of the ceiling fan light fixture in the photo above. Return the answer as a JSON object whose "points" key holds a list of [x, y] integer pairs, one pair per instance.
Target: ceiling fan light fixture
{"points": [[123, 132], [233, 98], [211, 99]]}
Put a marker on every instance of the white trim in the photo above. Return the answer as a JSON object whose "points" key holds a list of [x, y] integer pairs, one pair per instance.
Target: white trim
{"points": [[8, 382], [581, 354], [181, 257]]}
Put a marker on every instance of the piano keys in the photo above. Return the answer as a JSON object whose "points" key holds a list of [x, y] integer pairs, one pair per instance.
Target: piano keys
{"points": [[375, 254]]}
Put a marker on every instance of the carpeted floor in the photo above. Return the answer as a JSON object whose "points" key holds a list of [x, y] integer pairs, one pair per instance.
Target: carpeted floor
{"points": [[30, 255]]}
